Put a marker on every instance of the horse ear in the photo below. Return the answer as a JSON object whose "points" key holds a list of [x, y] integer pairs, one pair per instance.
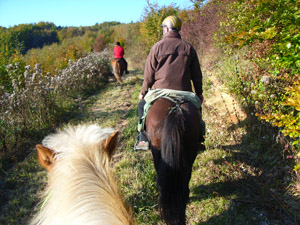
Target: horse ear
{"points": [[109, 145], [46, 156]]}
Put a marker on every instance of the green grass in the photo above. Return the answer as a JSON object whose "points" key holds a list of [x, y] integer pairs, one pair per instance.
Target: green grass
{"points": [[19, 190]]}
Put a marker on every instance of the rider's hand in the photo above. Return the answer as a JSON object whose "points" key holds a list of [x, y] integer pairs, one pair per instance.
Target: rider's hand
{"points": [[141, 97]]}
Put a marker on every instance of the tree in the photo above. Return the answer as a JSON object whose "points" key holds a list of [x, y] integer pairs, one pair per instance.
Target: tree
{"points": [[99, 44], [153, 18], [197, 4]]}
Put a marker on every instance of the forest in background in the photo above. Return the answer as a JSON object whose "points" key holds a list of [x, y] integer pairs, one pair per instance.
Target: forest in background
{"points": [[254, 44]]}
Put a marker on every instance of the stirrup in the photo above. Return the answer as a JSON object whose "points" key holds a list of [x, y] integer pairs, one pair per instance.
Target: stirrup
{"points": [[142, 145]]}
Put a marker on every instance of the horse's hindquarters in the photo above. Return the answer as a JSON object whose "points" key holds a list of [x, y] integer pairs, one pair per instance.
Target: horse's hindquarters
{"points": [[159, 111], [118, 69], [154, 121], [174, 133]]}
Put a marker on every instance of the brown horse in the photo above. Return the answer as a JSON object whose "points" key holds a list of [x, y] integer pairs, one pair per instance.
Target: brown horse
{"points": [[174, 130], [118, 66]]}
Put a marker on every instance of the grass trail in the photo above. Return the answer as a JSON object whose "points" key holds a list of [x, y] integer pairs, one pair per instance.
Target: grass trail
{"points": [[233, 181]]}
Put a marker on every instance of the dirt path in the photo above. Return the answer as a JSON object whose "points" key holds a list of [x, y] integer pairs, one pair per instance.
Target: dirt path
{"points": [[115, 100], [225, 104], [118, 99], [110, 107]]}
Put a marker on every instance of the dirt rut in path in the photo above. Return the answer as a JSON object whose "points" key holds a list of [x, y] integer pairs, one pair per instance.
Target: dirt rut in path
{"points": [[225, 104]]}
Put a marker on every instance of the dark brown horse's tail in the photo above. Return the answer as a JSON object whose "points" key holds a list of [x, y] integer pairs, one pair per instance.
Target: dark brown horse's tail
{"points": [[172, 178]]}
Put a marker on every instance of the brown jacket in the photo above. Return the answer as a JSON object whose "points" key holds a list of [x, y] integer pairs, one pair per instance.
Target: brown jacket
{"points": [[172, 63]]}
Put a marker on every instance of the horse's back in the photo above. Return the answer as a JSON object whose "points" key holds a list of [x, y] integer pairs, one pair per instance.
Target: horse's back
{"points": [[119, 63]]}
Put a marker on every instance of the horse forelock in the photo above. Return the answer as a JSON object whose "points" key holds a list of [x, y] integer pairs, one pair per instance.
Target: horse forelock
{"points": [[81, 186], [72, 138]]}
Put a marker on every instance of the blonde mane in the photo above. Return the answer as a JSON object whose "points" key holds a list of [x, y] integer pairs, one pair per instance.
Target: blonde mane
{"points": [[81, 187]]}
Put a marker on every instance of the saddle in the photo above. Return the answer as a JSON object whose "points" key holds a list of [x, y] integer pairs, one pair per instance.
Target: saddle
{"points": [[178, 97]]}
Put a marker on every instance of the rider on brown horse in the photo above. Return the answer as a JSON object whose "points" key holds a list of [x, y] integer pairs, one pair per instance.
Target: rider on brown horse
{"points": [[171, 64], [119, 54]]}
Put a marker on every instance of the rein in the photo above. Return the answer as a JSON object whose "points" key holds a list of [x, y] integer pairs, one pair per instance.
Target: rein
{"points": [[46, 200]]}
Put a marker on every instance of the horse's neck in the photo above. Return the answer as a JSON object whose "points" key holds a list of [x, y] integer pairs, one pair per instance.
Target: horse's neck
{"points": [[82, 193]]}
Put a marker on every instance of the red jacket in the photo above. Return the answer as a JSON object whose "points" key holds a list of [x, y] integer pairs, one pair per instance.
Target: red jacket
{"points": [[118, 52]]}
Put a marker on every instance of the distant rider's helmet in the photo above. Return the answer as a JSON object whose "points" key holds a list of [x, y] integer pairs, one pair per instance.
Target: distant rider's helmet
{"points": [[172, 22]]}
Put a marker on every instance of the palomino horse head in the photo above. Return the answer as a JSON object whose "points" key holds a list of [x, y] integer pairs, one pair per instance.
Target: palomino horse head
{"points": [[174, 131], [118, 66], [81, 187]]}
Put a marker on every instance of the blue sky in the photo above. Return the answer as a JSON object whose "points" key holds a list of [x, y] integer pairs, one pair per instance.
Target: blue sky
{"points": [[76, 12]]}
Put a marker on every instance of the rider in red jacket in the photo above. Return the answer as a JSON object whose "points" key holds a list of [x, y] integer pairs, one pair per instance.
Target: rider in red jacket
{"points": [[119, 54]]}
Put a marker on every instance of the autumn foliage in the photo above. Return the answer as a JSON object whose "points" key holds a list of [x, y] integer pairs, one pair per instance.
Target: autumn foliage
{"points": [[269, 29]]}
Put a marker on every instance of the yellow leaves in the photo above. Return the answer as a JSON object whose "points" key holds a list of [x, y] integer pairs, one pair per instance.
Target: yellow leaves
{"points": [[294, 102], [269, 33], [290, 123], [292, 131], [243, 37], [288, 120], [267, 118], [293, 94]]}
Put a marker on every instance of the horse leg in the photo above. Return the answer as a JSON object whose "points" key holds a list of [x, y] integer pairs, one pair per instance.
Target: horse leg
{"points": [[156, 158], [118, 78], [117, 71], [174, 194], [164, 177]]}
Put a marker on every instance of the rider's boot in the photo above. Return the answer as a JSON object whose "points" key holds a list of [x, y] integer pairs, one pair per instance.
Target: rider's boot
{"points": [[142, 142]]}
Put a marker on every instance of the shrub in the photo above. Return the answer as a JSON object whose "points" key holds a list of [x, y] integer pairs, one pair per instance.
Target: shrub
{"points": [[202, 23], [39, 102], [99, 44], [270, 29]]}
